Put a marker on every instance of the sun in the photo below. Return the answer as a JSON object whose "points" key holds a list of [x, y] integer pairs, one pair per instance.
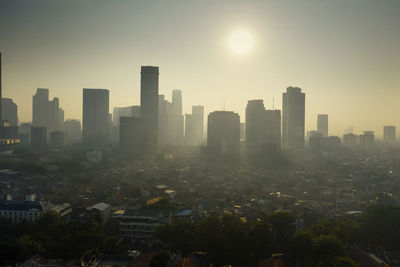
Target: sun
{"points": [[240, 42]]}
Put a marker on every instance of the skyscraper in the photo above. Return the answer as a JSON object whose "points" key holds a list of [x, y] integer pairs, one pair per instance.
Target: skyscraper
{"points": [[47, 113], [263, 131], [223, 133], [149, 103], [176, 124], [95, 116], [389, 134], [293, 118], [40, 107], [194, 126], [130, 111], [9, 111], [322, 124]]}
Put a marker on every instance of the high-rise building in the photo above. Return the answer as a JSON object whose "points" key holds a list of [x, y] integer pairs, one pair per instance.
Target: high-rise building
{"points": [[223, 133], [9, 111], [194, 126], [389, 134], [350, 140], [367, 139], [263, 131], [164, 117], [322, 124], [40, 108], [95, 116], [132, 136], [242, 131], [273, 126], [176, 122], [149, 103], [293, 118], [73, 131], [47, 113]]}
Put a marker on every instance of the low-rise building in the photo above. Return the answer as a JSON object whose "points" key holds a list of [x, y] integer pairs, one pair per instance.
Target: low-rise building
{"points": [[19, 210]]}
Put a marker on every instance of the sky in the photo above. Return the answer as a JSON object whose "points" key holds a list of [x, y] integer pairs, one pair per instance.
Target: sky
{"points": [[344, 54]]}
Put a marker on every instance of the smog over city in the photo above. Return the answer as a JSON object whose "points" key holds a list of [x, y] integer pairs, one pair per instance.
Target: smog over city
{"points": [[199, 133]]}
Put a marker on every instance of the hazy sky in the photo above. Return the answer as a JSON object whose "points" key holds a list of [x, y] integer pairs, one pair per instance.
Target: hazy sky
{"points": [[345, 54]]}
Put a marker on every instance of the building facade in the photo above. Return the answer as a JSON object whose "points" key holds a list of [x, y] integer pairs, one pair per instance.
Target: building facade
{"points": [[293, 118], [323, 124], [95, 116]]}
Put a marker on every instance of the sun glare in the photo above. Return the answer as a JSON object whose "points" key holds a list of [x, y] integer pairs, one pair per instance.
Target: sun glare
{"points": [[241, 42]]}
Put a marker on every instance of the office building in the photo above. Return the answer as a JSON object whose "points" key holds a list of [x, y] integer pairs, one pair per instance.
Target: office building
{"points": [[38, 138], [389, 134], [242, 131], [1, 96], [367, 139], [95, 117], [223, 133], [47, 113], [263, 131], [132, 137], [322, 124], [73, 131], [176, 122], [9, 131], [293, 118], [9, 111], [149, 103], [194, 126], [164, 118], [350, 140]]}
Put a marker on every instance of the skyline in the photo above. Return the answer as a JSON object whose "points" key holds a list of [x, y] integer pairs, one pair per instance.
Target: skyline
{"points": [[354, 63]]}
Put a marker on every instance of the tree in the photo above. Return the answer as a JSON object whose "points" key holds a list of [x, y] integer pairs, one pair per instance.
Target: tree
{"points": [[301, 247], [326, 248], [282, 228]]}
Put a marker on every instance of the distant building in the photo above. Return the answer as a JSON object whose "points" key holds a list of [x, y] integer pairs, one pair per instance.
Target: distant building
{"points": [[24, 133], [73, 131], [100, 212], [319, 142], [94, 156], [47, 113], [194, 126], [322, 124], [9, 131], [19, 210], [132, 137], [57, 139], [350, 140], [38, 137], [176, 123], [389, 134], [9, 111], [223, 133], [263, 131], [149, 104], [95, 116], [242, 131], [141, 225], [130, 111], [293, 118], [367, 139]]}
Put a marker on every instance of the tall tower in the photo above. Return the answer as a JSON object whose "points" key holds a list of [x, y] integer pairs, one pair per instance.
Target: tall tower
{"points": [[95, 116], [149, 103], [322, 124], [293, 118], [40, 107], [177, 123]]}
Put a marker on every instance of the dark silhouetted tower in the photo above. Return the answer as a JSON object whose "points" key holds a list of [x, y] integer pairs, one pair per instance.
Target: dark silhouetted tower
{"points": [[95, 116], [323, 125], [389, 134], [293, 118], [149, 103]]}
